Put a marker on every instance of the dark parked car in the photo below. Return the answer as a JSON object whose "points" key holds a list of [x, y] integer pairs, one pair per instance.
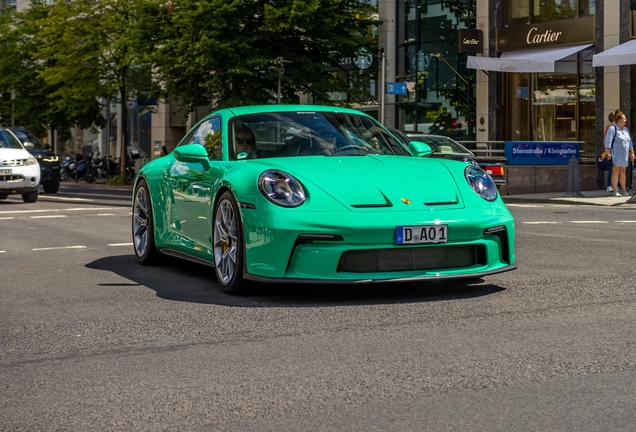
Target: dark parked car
{"points": [[49, 161], [445, 147]]}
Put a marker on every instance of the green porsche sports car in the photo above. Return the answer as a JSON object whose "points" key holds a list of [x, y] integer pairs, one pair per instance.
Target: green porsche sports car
{"points": [[317, 194]]}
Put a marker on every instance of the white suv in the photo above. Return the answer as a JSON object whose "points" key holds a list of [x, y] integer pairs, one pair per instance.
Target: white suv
{"points": [[19, 169]]}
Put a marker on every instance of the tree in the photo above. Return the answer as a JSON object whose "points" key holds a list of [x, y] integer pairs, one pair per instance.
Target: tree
{"points": [[27, 99], [93, 57], [227, 51]]}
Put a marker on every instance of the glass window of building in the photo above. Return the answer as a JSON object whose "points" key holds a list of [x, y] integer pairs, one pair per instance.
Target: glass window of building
{"points": [[560, 106], [547, 10], [440, 97]]}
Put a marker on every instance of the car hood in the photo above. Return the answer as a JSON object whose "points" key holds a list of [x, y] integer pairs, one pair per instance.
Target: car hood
{"points": [[11, 154], [376, 181]]}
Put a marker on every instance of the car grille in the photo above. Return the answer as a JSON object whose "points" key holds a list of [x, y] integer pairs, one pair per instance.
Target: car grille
{"points": [[417, 258], [4, 178], [12, 162]]}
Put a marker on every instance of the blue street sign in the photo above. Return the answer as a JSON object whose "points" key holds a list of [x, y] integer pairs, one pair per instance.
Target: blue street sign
{"points": [[396, 88]]}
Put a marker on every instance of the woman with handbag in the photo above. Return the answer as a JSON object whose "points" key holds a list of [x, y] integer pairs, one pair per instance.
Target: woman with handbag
{"points": [[620, 149]]}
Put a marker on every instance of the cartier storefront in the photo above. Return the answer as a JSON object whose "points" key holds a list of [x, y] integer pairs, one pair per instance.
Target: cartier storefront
{"points": [[547, 86]]}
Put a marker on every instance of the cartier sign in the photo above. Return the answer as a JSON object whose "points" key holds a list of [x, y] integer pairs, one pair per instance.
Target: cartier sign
{"points": [[470, 41], [563, 32]]}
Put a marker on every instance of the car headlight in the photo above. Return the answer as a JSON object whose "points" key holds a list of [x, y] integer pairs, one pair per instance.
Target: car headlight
{"points": [[481, 182], [31, 161], [51, 159], [281, 188]]}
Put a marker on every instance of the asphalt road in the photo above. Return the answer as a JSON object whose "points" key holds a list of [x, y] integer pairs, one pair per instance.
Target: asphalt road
{"points": [[90, 340]]}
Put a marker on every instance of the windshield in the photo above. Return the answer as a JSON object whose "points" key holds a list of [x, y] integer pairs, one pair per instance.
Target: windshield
{"points": [[8, 141], [26, 136], [441, 144], [290, 134]]}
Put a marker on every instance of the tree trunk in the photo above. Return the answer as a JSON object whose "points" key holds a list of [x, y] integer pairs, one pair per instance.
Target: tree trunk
{"points": [[123, 127]]}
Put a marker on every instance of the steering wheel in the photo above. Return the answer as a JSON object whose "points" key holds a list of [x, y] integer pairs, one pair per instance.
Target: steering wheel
{"points": [[351, 147]]}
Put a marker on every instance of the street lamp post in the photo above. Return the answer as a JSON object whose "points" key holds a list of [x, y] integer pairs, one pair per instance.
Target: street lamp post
{"points": [[281, 71]]}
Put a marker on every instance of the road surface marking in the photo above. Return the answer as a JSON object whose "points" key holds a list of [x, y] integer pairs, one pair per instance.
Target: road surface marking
{"points": [[540, 222], [61, 247], [65, 198], [48, 216], [57, 210], [120, 244], [7, 218], [589, 222], [3, 251], [626, 221]]}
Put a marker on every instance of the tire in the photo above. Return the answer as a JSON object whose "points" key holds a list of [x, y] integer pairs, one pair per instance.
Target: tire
{"points": [[51, 188], [3, 197], [143, 230], [30, 197], [228, 246]]}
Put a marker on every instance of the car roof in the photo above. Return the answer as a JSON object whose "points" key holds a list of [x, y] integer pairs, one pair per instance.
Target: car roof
{"points": [[257, 109]]}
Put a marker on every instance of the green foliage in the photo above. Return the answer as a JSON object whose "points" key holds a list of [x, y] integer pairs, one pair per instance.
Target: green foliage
{"points": [[63, 59], [35, 104], [226, 51]]}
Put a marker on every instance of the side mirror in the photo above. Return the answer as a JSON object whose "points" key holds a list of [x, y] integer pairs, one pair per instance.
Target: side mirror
{"points": [[419, 149], [193, 153], [29, 145]]}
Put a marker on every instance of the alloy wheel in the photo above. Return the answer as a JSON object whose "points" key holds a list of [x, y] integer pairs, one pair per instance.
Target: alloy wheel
{"points": [[141, 221], [226, 245]]}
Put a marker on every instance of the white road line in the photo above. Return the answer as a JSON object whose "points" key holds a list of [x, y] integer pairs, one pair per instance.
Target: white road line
{"points": [[589, 222], [525, 205], [57, 248], [57, 210], [48, 216], [540, 223], [103, 214], [7, 218], [3, 251], [626, 221], [120, 244], [64, 198]]}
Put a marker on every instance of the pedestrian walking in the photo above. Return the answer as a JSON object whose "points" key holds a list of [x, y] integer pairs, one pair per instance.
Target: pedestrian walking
{"points": [[608, 181], [620, 149]]}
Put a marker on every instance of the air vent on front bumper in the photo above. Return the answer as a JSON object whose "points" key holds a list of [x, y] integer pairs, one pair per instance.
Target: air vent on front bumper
{"points": [[408, 259]]}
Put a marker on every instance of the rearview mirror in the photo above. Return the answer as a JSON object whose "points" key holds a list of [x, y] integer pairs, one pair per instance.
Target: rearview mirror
{"points": [[419, 149], [192, 153], [29, 145]]}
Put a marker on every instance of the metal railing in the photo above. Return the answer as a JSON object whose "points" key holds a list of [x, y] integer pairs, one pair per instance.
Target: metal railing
{"points": [[493, 149]]}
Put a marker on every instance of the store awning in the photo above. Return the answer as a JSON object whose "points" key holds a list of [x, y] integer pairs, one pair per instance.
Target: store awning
{"points": [[530, 60], [623, 54]]}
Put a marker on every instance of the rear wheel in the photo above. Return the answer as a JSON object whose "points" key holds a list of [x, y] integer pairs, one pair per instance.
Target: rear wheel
{"points": [[3, 196], [228, 246], [143, 226], [30, 197]]}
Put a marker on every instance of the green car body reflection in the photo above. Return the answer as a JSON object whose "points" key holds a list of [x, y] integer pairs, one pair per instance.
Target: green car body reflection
{"points": [[298, 193]]}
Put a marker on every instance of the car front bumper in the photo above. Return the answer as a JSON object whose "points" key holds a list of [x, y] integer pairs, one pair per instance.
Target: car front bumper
{"points": [[23, 179], [340, 249]]}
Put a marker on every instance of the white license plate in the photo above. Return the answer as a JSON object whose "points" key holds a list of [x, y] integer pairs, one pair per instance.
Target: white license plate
{"points": [[421, 234], [5, 172]]}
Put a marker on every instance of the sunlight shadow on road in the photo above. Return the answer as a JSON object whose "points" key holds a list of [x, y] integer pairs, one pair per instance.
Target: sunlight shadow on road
{"points": [[184, 281]]}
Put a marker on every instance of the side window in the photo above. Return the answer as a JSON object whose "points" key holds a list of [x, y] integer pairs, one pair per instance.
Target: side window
{"points": [[208, 134]]}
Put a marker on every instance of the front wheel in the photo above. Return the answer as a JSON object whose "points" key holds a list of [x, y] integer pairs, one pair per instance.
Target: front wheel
{"points": [[143, 226], [30, 197], [228, 245], [51, 188]]}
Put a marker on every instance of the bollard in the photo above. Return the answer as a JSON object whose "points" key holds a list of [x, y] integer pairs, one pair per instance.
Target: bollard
{"points": [[574, 188]]}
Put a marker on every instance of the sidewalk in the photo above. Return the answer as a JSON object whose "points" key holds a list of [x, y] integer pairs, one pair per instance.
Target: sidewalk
{"points": [[597, 197]]}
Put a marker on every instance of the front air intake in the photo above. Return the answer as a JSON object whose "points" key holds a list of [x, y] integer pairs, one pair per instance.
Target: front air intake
{"points": [[408, 259]]}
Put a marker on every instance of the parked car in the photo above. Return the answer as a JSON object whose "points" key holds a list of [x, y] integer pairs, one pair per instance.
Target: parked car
{"points": [[19, 169], [317, 194], [445, 147], [49, 161]]}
